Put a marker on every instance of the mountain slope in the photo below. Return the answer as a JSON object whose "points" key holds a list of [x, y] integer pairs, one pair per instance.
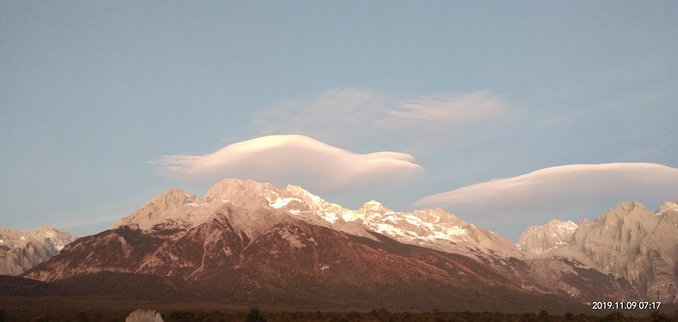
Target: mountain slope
{"points": [[433, 228], [19, 250], [291, 264], [628, 242], [632, 242], [250, 242], [540, 241]]}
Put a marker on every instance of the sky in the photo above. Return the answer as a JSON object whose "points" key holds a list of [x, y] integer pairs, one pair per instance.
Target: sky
{"points": [[504, 113]]}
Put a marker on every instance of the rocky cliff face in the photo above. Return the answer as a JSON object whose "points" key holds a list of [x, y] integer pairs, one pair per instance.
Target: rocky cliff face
{"points": [[632, 242], [19, 250], [541, 241], [628, 242]]}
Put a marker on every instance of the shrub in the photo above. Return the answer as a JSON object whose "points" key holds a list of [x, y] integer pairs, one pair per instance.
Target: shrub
{"points": [[255, 316]]}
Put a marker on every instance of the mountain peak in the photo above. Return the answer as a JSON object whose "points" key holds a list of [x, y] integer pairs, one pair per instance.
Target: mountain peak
{"points": [[21, 250], [251, 206], [561, 224], [542, 240], [372, 207], [159, 207], [668, 207], [303, 193], [631, 242], [373, 202], [630, 207], [624, 212], [173, 197], [232, 189]]}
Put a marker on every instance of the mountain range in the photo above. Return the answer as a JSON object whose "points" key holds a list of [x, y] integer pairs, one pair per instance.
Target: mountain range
{"points": [[251, 243]]}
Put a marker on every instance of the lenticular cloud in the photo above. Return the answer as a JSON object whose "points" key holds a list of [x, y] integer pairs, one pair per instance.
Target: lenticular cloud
{"points": [[349, 115], [579, 186], [292, 159]]}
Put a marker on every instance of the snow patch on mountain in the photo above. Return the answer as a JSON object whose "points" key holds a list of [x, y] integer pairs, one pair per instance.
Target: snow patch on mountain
{"points": [[432, 228], [280, 202], [241, 200]]}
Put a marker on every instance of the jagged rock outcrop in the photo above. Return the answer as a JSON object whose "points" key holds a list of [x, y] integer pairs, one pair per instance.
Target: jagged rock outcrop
{"points": [[19, 250], [627, 242], [142, 315], [632, 242], [540, 241]]}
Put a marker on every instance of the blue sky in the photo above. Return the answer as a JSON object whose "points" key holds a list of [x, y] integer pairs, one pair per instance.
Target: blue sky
{"points": [[104, 105]]}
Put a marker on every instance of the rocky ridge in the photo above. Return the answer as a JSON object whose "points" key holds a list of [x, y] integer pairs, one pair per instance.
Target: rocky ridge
{"points": [[540, 241], [432, 228], [628, 242], [634, 243], [19, 250]]}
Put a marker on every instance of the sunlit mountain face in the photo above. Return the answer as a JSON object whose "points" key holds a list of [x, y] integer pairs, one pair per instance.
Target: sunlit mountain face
{"points": [[250, 242]]}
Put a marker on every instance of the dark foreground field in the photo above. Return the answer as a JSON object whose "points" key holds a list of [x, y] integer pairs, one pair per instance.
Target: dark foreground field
{"points": [[17, 308]]}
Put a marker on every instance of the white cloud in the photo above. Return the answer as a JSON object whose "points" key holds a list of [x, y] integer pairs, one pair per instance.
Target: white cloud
{"points": [[292, 159], [350, 115], [443, 113], [562, 190], [329, 115]]}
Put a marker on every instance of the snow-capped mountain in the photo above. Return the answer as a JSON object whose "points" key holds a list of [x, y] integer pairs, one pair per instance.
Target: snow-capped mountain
{"points": [[432, 228], [252, 242], [21, 250]]}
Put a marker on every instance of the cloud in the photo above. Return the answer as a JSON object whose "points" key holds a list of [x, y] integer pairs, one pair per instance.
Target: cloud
{"points": [[349, 115], [328, 115], [443, 113], [292, 159], [562, 189]]}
